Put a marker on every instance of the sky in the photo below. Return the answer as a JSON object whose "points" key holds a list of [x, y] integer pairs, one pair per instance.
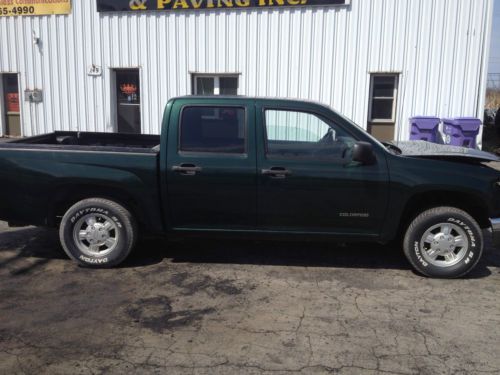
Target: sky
{"points": [[495, 40]]}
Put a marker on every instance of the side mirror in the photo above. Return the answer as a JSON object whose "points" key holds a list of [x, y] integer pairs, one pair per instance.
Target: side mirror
{"points": [[363, 153]]}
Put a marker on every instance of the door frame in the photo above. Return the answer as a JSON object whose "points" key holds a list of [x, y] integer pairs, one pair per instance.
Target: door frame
{"points": [[3, 113], [386, 122], [113, 98], [3, 109]]}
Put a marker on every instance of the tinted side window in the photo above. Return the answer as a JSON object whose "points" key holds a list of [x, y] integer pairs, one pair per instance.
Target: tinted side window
{"points": [[301, 135], [213, 129]]}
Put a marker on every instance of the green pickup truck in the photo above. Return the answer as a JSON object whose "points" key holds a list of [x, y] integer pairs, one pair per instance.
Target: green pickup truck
{"points": [[253, 167]]}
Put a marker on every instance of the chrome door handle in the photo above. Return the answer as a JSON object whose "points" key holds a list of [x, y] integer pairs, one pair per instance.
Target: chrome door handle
{"points": [[276, 172], [186, 169]]}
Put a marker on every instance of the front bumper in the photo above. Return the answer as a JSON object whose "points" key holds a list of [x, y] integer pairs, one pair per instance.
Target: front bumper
{"points": [[495, 231]]}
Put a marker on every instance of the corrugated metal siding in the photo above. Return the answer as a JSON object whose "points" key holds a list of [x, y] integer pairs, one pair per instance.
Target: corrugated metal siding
{"points": [[325, 54]]}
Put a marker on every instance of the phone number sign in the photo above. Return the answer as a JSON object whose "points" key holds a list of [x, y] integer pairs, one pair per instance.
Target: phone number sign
{"points": [[16, 8], [172, 5]]}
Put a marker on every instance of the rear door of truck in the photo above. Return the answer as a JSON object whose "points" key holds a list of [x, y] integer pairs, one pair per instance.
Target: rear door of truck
{"points": [[211, 164]]}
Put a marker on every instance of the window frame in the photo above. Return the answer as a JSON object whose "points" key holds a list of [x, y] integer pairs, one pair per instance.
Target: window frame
{"points": [[323, 118], [216, 77], [243, 155], [392, 120]]}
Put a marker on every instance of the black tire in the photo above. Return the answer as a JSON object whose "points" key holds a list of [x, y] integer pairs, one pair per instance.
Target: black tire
{"points": [[104, 213], [420, 250]]}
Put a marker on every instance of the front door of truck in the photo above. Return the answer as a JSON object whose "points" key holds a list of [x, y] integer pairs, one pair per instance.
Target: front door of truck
{"points": [[307, 181], [211, 167]]}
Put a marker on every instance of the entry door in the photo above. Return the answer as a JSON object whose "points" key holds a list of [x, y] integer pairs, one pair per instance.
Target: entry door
{"points": [[307, 180], [128, 100], [211, 173], [12, 118], [383, 100]]}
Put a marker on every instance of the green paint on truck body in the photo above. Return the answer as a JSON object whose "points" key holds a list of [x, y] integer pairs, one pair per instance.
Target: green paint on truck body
{"points": [[328, 199]]}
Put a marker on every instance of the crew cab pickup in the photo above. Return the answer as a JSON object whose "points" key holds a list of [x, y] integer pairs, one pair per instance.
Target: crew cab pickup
{"points": [[253, 166]]}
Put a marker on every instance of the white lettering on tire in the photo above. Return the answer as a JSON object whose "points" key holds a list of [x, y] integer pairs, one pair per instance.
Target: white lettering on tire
{"points": [[88, 210], [419, 255], [115, 219], [467, 229], [94, 260]]}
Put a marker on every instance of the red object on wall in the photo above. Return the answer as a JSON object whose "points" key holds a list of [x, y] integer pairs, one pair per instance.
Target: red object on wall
{"points": [[13, 102]]}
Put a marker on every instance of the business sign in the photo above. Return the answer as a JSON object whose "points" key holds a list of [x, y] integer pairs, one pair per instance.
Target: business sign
{"points": [[16, 8], [171, 5]]}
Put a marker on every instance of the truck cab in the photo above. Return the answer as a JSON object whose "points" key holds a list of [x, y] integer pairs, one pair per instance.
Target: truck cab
{"points": [[270, 165]]}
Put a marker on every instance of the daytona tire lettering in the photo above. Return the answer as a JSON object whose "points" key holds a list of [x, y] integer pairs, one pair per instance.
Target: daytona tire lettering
{"points": [[419, 256], [94, 260], [88, 210]]}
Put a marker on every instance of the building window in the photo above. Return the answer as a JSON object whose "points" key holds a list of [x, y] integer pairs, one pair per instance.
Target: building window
{"points": [[215, 84], [383, 96]]}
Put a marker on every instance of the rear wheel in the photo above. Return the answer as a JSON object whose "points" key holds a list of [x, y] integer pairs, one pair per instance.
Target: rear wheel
{"points": [[443, 242], [98, 233]]}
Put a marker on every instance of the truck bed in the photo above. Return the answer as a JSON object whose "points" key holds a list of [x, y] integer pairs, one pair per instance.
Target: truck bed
{"points": [[89, 141], [42, 173]]}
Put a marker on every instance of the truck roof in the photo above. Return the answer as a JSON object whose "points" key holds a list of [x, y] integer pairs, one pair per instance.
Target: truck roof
{"points": [[255, 98]]}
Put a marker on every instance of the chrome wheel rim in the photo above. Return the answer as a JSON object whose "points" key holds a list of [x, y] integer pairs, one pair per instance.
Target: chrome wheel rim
{"points": [[444, 244], [95, 235]]}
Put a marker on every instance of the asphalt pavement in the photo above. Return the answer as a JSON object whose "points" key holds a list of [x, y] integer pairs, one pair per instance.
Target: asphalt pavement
{"points": [[241, 307]]}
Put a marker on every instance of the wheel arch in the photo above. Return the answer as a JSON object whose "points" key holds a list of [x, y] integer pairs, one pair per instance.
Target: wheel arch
{"points": [[466, 201], [65, 196]]}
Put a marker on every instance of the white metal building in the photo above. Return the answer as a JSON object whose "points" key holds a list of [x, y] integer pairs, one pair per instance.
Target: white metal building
{"points": [[376, 61]]}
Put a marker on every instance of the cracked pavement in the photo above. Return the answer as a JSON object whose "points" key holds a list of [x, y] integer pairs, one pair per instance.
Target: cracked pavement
{"points": [[241, 307]]}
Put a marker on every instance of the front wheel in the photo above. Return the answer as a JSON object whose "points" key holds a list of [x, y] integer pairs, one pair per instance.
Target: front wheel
{"points": [[443, 242], [98, 233]]}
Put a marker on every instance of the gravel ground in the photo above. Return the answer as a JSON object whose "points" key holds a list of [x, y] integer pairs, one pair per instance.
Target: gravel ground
{"points": [[241, 307]]}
